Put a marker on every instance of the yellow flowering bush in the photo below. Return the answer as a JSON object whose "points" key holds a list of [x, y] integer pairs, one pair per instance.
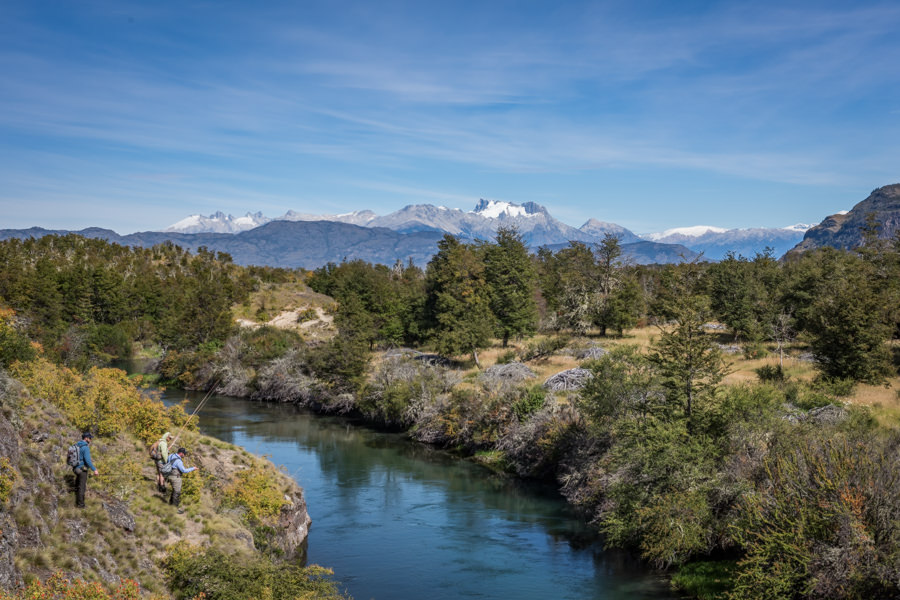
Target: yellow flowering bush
{"points": [[104, 401], [258, 492], [58, 587]]}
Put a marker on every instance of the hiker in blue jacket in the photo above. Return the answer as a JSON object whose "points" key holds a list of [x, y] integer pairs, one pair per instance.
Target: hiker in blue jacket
{"points": [[84, 465], [178, 469]]}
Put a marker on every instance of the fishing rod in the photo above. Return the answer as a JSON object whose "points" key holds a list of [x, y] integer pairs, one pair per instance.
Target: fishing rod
{"points": [[196, 409]]}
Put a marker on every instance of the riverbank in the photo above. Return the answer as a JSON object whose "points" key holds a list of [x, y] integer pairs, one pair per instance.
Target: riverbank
{"points": [[238, 508], [677, 486]]}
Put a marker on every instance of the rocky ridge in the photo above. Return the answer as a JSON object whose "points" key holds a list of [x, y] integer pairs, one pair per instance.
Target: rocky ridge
{"points": [[846, 230]]}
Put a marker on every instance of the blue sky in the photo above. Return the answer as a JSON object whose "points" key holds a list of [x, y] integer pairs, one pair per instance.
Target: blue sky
{"points": [[133, 115]]}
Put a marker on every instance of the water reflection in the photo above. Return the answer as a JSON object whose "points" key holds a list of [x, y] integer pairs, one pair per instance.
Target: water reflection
{"points": [[399, 520]]}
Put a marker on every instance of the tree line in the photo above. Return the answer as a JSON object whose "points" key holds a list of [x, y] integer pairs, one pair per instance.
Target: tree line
{"points": [[87, 300], [844, 304], [84, 299]]}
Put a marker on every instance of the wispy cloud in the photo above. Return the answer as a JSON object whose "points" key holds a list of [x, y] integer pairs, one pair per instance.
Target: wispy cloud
{"points": [[256, 104]]}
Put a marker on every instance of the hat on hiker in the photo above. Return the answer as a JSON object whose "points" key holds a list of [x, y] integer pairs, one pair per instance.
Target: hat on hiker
{"points": [[86, 435], [182, 451]]}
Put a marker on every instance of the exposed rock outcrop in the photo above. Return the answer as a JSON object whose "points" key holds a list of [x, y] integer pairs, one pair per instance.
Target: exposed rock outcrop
{"points": [[846, 230]]}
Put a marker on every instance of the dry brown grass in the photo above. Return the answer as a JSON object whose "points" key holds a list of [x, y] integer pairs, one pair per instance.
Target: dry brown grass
{"points": [[281, 298], [885, 399]]}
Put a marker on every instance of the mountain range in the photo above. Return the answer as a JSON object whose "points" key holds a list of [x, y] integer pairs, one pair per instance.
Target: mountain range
{"points": [[533, 221], [412, 233], [311, 244]]}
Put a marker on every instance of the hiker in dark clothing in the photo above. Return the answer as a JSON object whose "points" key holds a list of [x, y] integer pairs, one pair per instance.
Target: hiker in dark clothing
{"points": [[84, 465], [178, 469]]}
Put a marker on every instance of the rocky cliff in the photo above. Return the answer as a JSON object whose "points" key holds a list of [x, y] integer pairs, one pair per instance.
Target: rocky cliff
{"points": [[882, 208]]}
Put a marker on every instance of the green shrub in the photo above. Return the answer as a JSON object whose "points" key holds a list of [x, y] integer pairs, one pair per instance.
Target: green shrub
{"points": [[770, 374], [257, 491], [388, 405], [803, 396], [193, 571], [675, 526], [180, 368], [754, 351], [309, 314], [109, 341], [507, 357], [667, 471], [14, 344], [834, 386], [264, 344], [706, 580], [8, 478], [823, 520], [473, 421], [531, 400]]}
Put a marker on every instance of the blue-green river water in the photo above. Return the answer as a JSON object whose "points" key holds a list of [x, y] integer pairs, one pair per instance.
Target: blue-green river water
{"points": [[400, 521]]}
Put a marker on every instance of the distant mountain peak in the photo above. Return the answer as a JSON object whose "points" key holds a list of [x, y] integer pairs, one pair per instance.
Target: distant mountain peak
{"points": [[799, 227], [496, 209], [357, 217], [218, 222], [694, 231]]}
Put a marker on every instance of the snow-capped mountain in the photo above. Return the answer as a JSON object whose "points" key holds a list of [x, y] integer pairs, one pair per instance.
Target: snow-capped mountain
{"points": [[494, 209], [694, 231], [533, 221], [218, 223], [357, 217], [716, 242]]}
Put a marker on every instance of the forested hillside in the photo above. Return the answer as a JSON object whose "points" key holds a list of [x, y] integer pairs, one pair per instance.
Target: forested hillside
{"points": [[733, 423]]}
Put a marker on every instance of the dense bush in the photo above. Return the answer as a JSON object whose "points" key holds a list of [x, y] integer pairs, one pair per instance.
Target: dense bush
{"points": [[58, 587], [263, 344], [103, 401], [184, 368], [256, 491], [193, 571], [401, 389], [537, 446], [824, 520], [770, 374], [14, 344], [528, 400]]}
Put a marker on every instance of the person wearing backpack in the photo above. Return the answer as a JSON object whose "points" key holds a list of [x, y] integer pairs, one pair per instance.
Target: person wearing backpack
{"points": [[176, 468], [84, 465], [159, 452]]}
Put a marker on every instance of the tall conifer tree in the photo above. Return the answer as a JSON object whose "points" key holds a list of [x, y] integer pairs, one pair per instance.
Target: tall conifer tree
{"points": [[458, 306], [511, 278]]}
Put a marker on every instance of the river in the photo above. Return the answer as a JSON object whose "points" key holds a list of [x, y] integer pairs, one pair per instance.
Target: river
{"points": [[397, 520]]}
